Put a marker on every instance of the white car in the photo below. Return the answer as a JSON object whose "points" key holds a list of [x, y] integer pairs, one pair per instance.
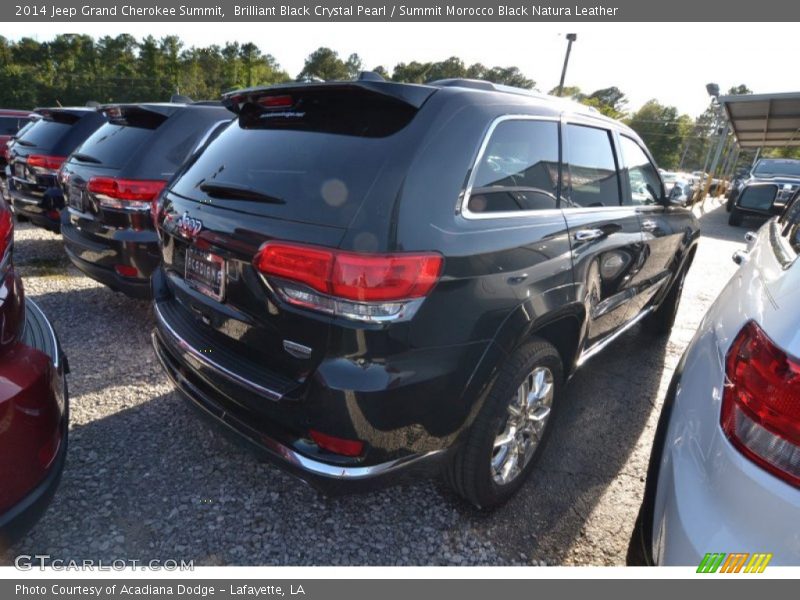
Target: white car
{"points": [[724, 475]]}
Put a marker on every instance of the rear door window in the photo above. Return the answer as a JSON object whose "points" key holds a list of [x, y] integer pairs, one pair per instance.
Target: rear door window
{"points": [[590, 175], [518, 170], [643, 180]]}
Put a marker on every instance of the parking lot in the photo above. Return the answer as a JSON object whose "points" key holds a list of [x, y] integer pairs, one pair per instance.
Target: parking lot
{"points": [[147, 479]]}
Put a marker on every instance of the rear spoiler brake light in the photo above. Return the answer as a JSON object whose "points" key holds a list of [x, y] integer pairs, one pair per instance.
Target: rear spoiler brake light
{"points": [[411, 94]]}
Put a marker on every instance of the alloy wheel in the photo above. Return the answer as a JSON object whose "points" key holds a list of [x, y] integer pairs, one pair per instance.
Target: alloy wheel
{"points": [[527, 416]]}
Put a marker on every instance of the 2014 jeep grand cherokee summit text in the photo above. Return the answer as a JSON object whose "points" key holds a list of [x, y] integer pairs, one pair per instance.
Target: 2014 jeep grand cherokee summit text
{"points": [[368, 279]]}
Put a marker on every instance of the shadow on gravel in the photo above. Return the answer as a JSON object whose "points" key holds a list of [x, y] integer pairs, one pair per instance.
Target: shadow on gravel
{"points": [[105, 335], [154, 481], [606, 408]]}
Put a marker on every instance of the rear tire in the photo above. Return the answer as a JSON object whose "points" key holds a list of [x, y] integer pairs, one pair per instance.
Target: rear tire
{"points": [[511, 429], [661, 321], [735, 218]]}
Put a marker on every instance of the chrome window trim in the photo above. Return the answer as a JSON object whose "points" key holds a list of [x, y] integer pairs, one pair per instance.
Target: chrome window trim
{"points": [[463, 206]]}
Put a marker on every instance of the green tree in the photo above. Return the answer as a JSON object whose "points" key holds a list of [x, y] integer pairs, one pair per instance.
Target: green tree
{"points": [[610, 101], [660, 128], [325, 64]]}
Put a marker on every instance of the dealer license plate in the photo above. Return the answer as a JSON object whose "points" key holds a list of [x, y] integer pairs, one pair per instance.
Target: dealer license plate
{"points": [[205, 272]]}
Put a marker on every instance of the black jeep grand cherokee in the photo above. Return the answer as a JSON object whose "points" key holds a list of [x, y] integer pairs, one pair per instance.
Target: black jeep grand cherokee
{"points": [[111, 180], [36, 156], [367, 279]]}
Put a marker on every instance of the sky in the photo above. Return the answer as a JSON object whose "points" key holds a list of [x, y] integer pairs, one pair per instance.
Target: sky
{"points": [[668, 61]]}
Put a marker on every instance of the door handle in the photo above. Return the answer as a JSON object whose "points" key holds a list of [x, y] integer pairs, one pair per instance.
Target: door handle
{"points": [[588, 235], [649, 225]]}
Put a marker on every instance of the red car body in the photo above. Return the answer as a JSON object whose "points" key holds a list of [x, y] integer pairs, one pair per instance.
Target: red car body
{"points": [[33, 401]]}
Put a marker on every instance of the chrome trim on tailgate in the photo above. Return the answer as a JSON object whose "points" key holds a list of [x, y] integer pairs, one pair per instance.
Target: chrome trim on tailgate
{"points": [[205, 360]]}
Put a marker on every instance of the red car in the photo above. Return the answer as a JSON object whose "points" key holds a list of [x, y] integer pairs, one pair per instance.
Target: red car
{"points": [[33, 401]]}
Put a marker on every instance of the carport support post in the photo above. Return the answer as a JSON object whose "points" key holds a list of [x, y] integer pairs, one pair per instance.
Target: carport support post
{"points": [[723, 172], [731, 172], [720, 145], [755, 158], [729, 155]]}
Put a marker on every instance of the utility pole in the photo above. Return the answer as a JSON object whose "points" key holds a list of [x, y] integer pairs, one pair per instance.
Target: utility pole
{"points": [[571, 37]]}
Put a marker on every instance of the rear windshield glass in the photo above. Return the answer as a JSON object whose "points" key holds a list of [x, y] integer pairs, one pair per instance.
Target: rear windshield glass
{"points": [[45, 133], [112, 145], [293, 169], [777, 167]]}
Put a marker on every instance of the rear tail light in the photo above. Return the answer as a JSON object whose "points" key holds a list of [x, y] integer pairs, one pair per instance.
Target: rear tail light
{"points": [[126, 270], [45, 164], [365, 287], [761, 403], [125, 194], [337, 445]]}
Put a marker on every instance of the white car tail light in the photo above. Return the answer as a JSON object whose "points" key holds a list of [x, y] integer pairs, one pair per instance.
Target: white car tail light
{"points": [[761, 403]]}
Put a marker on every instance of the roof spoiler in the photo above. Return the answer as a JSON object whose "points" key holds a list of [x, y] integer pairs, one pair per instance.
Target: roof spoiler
{"points": [[180, 99], [411, 94]]}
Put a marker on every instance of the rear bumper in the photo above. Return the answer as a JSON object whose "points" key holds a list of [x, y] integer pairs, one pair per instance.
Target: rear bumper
{"points": [[328, 477], [135, 288], [39, 335], [95, 258], [40, 210]]}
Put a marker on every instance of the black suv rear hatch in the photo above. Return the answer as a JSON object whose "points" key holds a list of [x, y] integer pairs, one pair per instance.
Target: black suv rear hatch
{"points": [[140, 142], [50, 139], [298, 165]]}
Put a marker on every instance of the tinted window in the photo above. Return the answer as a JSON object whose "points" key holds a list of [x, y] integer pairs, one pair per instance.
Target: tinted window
{"points": [[10, 125], [113, 145], [173, 143], [45, 133], [317, 177], [519, 168], [789, 224], [642, 176], [591, 175], [767, 167]]}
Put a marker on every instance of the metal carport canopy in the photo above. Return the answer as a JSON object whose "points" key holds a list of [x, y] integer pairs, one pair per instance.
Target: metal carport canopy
{"points": [[764, 120]]}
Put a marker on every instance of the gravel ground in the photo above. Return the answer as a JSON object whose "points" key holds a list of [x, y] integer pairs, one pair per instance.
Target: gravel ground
{"points": [[147, 479]]}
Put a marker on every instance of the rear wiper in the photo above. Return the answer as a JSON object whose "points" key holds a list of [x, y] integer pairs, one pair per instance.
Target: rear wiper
{"points": [[237, 192], [24, 143], [86, 158]]}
